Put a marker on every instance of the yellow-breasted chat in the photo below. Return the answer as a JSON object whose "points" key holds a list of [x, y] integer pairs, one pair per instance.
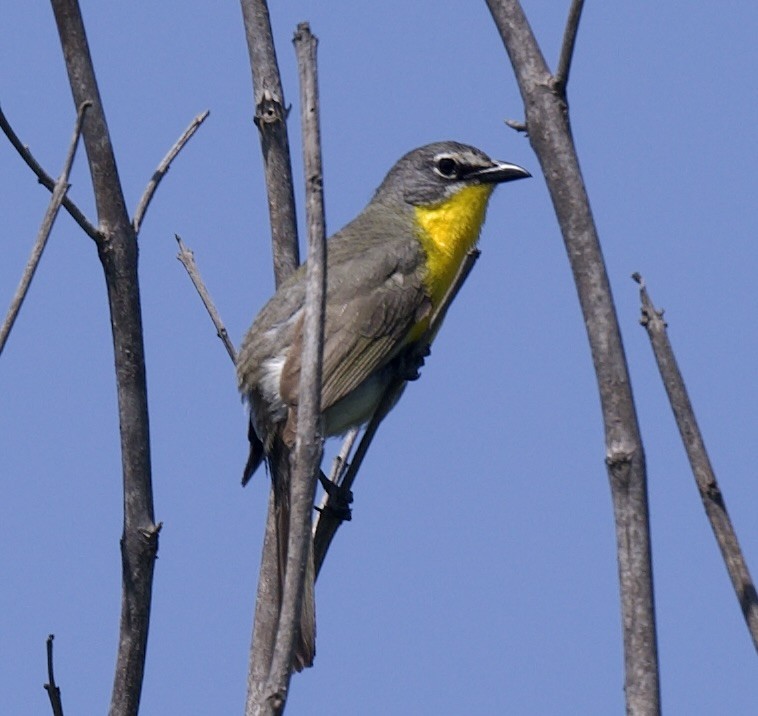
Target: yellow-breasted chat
{"points": [[386, 273]]}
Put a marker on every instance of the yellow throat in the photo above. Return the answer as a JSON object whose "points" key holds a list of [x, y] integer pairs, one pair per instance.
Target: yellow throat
{"points": [[447, 231]]}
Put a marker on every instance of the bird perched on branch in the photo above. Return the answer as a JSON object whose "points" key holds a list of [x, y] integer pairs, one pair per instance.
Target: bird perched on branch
{"points": [[387, 272]]}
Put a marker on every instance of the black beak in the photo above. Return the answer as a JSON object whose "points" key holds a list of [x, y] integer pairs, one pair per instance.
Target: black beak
{"points": [[500, 172]]}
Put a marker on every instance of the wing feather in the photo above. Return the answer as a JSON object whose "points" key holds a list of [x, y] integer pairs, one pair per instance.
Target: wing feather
{"points": [[367, 323]]}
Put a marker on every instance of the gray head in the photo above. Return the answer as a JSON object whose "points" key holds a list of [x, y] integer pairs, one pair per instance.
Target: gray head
{"points": [[432, 173]]}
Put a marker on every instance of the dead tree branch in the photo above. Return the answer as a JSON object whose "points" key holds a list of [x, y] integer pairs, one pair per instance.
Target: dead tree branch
{"points": [[187, 259], [306, 457], [53, 691], [162, 170], [567, 49], [550, 136], [59, 193], [45, 179], [270, 118], [117, 249], [705, 477]]}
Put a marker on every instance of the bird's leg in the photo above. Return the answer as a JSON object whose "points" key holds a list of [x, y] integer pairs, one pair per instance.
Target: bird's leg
{"points": [[410, 362], [339, 500]]}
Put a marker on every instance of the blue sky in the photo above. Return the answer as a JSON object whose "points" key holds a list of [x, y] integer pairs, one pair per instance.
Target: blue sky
{"points": [[478, 574]]}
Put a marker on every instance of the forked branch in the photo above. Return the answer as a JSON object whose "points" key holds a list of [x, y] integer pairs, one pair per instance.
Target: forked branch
{"points": [[45, 179], [561, 76], [117, 250]]}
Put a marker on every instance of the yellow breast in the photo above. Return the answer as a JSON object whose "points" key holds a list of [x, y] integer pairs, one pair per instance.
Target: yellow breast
{"points": [[447, 231]]}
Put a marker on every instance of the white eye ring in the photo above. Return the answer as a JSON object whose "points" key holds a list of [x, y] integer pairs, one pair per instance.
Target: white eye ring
{"points": [[446, 167]]}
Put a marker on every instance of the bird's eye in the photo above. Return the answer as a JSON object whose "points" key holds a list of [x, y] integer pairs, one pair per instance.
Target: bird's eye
{"points": [[447, 167]]}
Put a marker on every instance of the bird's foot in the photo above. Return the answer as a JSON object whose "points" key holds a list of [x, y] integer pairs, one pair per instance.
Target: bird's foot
{"points": [[411, 362], [340, 499]]}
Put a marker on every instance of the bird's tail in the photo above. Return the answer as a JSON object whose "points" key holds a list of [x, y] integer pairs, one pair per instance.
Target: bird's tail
{"points": [[305, 645]]}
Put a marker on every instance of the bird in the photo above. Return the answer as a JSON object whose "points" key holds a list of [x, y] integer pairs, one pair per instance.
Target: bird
{"points": [[387, 271]]}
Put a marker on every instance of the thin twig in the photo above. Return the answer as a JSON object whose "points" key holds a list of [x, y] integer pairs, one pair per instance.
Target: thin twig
{"points": [[517, 125], [561, 76], [53, 691], [59, 192], [306, 457], [705, 478], [550, 136], [342, 457], [162, 170], [46, 180], [329, 520], [187, 258]]}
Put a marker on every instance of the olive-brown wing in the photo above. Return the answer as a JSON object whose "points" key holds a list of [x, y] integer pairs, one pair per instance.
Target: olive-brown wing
{"points": [[362, 332]]}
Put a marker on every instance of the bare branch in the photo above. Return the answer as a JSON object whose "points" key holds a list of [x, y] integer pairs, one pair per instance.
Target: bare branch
{"points": [[187, 259], [266, 619], [53, 691], [516, 124], [162, 170], [341, 459], [268, 595], [117, 250], [59, 192], [45, 179], [567, 49], [705, 478], [550, 136], [297, 594], [270, 118]]}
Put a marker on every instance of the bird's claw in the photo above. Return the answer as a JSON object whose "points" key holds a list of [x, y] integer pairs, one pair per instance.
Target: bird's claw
{"points": [[340, 499]]}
